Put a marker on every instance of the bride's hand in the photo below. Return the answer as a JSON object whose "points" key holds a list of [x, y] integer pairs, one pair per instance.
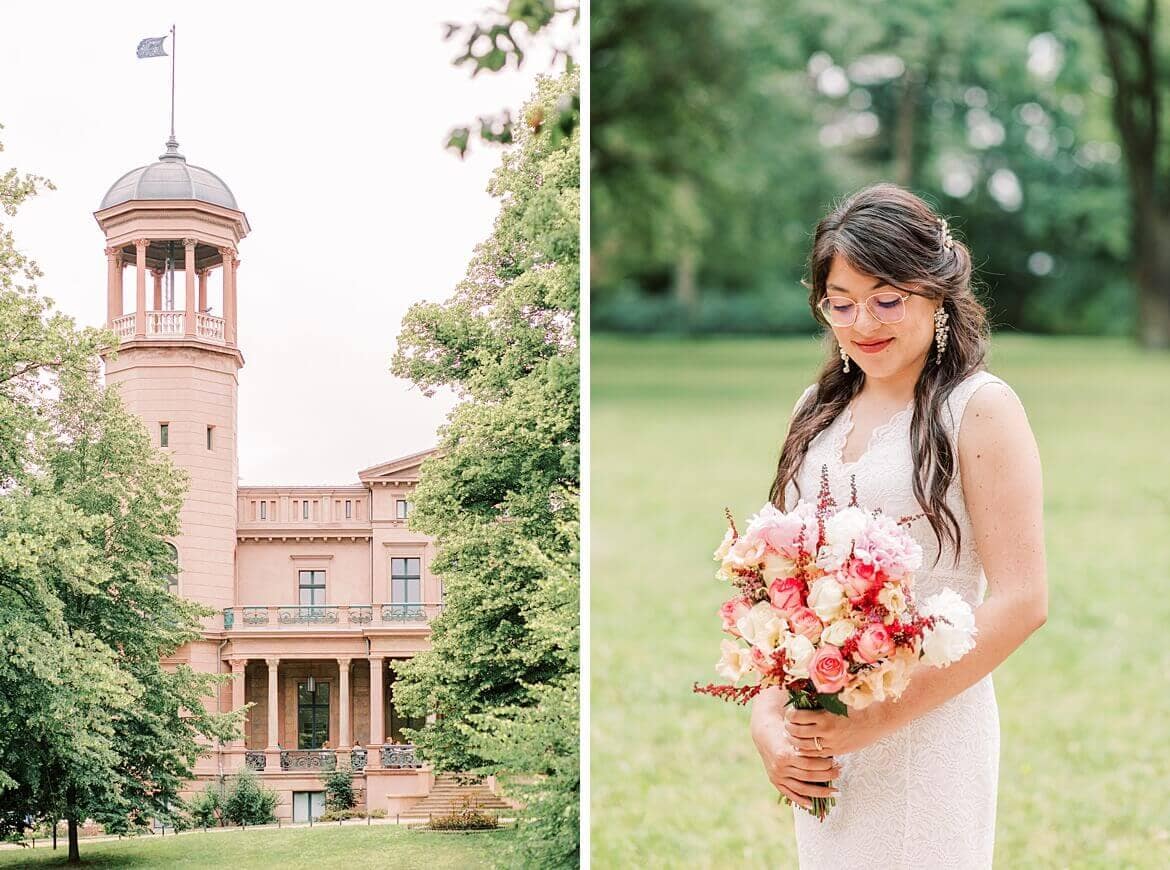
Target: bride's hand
{"points": [[821, 733], [798, 777]]}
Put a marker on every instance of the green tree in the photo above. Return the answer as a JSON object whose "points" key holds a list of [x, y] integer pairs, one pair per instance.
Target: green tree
{"points": [[501, 36], [721, 132], [501, 497], [91, 724], [1135, 49]]}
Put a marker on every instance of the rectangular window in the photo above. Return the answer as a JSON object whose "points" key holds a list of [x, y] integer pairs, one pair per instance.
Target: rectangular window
{"points": [[164, 434], [406, 588], [348, 509], [306, 804], [209, 428], [263, 510], [305, 509], [402, 509], [311, 587], [312, 715]]}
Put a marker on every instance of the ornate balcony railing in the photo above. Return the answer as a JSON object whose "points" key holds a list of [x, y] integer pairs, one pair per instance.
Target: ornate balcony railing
{"points": [[400, 755], [308, 759], [404, 613], [172, 324], [254, 759], [345, 616], [357, 759]]}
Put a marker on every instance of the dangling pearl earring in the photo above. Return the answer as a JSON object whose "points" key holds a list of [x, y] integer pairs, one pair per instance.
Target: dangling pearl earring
{"points": [[941, 330], [845, 359]]}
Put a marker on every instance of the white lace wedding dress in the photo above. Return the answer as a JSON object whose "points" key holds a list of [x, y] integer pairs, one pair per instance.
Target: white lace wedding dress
{"points": [[924, 796]]}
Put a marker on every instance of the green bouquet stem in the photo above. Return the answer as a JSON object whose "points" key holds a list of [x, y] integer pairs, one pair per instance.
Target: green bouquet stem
{"points": [[820, 805]]}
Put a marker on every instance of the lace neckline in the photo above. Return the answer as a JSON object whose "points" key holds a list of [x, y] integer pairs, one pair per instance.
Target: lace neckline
{"points": [[879, 432]]}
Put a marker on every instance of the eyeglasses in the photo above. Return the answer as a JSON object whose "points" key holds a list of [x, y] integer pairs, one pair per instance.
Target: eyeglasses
{"points": [[888, 306]]}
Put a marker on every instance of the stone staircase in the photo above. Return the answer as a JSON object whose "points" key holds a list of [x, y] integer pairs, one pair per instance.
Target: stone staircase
{"points": [[449, 796]]}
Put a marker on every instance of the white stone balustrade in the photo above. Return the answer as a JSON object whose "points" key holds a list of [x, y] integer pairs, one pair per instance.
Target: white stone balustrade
{"points": [[172, 324]]}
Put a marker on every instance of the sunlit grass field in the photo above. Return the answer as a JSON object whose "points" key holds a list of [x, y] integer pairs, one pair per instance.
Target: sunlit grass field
{"points": [[681, 428], [325, 846]]}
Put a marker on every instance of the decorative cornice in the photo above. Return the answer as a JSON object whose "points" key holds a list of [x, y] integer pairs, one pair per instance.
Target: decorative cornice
{"points": [[297, 535], [298, 557]]}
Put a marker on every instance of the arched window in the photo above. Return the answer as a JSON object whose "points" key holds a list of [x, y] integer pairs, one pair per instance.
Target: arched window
{"points": [[173, 579]]}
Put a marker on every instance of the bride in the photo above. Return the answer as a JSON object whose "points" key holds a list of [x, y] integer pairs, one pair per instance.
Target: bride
{"points": [[906, 409]]}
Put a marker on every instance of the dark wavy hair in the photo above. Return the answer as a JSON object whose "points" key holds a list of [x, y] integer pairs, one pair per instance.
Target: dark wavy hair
{"points": [[886, 231]]}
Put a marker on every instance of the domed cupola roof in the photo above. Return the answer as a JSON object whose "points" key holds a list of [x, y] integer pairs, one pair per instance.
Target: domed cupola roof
{"points": [[172, 177]]}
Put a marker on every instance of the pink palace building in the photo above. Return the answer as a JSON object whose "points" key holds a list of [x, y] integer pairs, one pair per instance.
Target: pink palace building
{"points": [[317, 589]]}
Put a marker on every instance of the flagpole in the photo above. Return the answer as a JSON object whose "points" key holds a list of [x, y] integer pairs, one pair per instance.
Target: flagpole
{"points": [[172, 81]]}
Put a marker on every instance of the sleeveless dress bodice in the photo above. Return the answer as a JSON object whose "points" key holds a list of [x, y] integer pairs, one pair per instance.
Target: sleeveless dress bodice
{"points": [[923, 796]]}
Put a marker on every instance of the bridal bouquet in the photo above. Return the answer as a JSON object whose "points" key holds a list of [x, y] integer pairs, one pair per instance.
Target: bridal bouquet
{"points": [[823, 608]]}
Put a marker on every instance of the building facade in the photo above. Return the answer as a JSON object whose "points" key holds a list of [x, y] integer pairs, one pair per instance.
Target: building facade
{"points": [[317, 590]]}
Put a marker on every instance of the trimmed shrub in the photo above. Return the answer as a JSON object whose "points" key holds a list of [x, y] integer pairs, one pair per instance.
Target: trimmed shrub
{"points": [[249, 803], [206, 808], [464, 820], [339, 789]]}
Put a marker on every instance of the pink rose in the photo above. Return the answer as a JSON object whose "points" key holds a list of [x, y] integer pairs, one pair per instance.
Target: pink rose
{"points": [[875, 643], [762, 662], [731, 611], [804, 621], [828, 671], [860, 576], [787, 595]]}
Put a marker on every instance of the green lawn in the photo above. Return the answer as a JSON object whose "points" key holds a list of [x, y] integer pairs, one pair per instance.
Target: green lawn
{"points": [[349, 848], [681, 428]]}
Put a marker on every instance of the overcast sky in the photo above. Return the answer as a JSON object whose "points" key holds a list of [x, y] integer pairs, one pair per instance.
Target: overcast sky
{"points": [[328, 125]]}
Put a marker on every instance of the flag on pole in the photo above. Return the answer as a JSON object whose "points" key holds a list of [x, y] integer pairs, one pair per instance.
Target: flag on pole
{"points": [[152, 47]]}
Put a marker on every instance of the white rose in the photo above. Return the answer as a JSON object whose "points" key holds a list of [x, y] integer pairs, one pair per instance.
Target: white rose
{"points": [[736, 661], [826, 598], [895, 674], [863, 689], [893, 599], [838, 632], [743, 554], [799, 651], [777, 567], [953, 635], [762, 626]]}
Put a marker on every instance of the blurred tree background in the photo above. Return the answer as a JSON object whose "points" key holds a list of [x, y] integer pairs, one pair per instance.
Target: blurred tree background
{"points": [[722, 132]]}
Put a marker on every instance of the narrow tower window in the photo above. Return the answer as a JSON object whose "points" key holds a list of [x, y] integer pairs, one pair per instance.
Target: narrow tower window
{"points": [[209, 428], [305, 509], [164, 434], [348, 509], [263, 510]]}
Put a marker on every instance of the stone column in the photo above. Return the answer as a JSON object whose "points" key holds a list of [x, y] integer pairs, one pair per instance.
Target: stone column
{"points": [[229, 294], [189, 274], [158, 276], [238, 666], [377, 713], [114, 286], [202, 289], [273, 749], [345, 738], [140, 289]]}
